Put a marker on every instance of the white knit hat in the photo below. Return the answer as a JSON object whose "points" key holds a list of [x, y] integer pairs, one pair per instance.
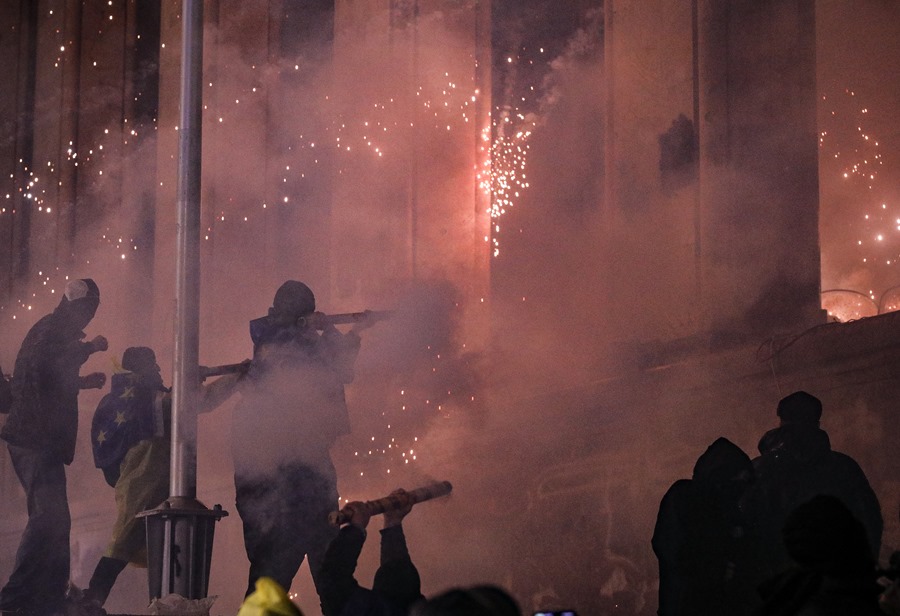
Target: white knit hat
{"points": [[81, 288]]}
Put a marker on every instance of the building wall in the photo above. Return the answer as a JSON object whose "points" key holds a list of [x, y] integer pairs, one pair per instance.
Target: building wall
{"points": [[412, 81], [759, 167], [712, 193], [673, 253], [648, 234]]}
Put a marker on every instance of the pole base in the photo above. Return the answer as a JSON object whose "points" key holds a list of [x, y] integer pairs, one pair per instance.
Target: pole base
{"points": [[179, 547]]}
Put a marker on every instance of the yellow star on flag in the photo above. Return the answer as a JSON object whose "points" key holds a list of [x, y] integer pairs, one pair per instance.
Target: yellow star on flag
{"points": [[120, 418], [102, 436]]}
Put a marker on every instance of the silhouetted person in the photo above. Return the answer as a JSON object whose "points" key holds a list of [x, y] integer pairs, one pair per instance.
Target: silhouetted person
{"points": [[834, 573], [396, 586], [796, 463], [131, 437], [485, 600], [292, 409], [40, 433], [707, 560]]}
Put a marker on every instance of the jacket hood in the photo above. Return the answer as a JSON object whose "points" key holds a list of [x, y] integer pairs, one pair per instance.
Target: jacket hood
{"points": [[721, 462]]}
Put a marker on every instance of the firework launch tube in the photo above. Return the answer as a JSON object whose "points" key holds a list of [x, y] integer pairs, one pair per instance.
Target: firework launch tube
{"points": [[208, 371], [346, 318], [391, 502]]}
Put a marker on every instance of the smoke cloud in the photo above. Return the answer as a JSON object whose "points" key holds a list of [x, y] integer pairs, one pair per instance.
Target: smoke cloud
{"points": [[510, 389]]}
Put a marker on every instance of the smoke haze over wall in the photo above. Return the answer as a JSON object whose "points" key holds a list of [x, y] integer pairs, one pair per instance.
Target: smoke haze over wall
{"points": [[543, 459]]}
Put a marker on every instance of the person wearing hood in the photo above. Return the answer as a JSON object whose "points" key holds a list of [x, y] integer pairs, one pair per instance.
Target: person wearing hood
{"points": [[292, 410], [706, 556], [40, 434], [131, 441], [795, 464]]}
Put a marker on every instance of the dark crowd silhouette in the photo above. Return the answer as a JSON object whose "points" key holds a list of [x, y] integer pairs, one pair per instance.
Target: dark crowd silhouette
{"points": [[794, 531]]}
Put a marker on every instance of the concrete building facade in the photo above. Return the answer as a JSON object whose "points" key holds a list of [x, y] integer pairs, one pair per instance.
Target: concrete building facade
{"points": [[657, 284]]}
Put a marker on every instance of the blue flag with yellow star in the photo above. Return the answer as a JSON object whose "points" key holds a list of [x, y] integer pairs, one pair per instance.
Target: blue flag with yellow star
{"points": [[123, 418]]}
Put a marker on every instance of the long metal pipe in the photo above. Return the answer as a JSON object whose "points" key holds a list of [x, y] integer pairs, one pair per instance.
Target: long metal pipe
{"points": [[186, 380]]}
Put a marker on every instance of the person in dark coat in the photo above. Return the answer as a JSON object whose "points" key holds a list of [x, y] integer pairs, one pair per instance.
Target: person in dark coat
{"points": [[833, 571], [397, 584], [40, 434], [795, 464], [707, 561], [292, 409]]}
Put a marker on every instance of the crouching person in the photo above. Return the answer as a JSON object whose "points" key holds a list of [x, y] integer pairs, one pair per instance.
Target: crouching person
{"points": [[131, 440]]}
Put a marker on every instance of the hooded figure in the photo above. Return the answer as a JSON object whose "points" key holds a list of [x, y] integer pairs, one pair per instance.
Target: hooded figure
{"points": [[131, 436], [137, 408], [45, 383], [40, 433], [796, 463], [706, 558], [292, 410]]}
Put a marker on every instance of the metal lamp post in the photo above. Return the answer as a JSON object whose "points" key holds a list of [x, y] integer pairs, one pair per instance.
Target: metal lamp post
{"points": [[180, 530]]}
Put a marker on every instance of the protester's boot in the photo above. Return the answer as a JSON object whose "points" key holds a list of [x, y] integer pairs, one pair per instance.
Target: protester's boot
{"points": [[108, 569]]}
